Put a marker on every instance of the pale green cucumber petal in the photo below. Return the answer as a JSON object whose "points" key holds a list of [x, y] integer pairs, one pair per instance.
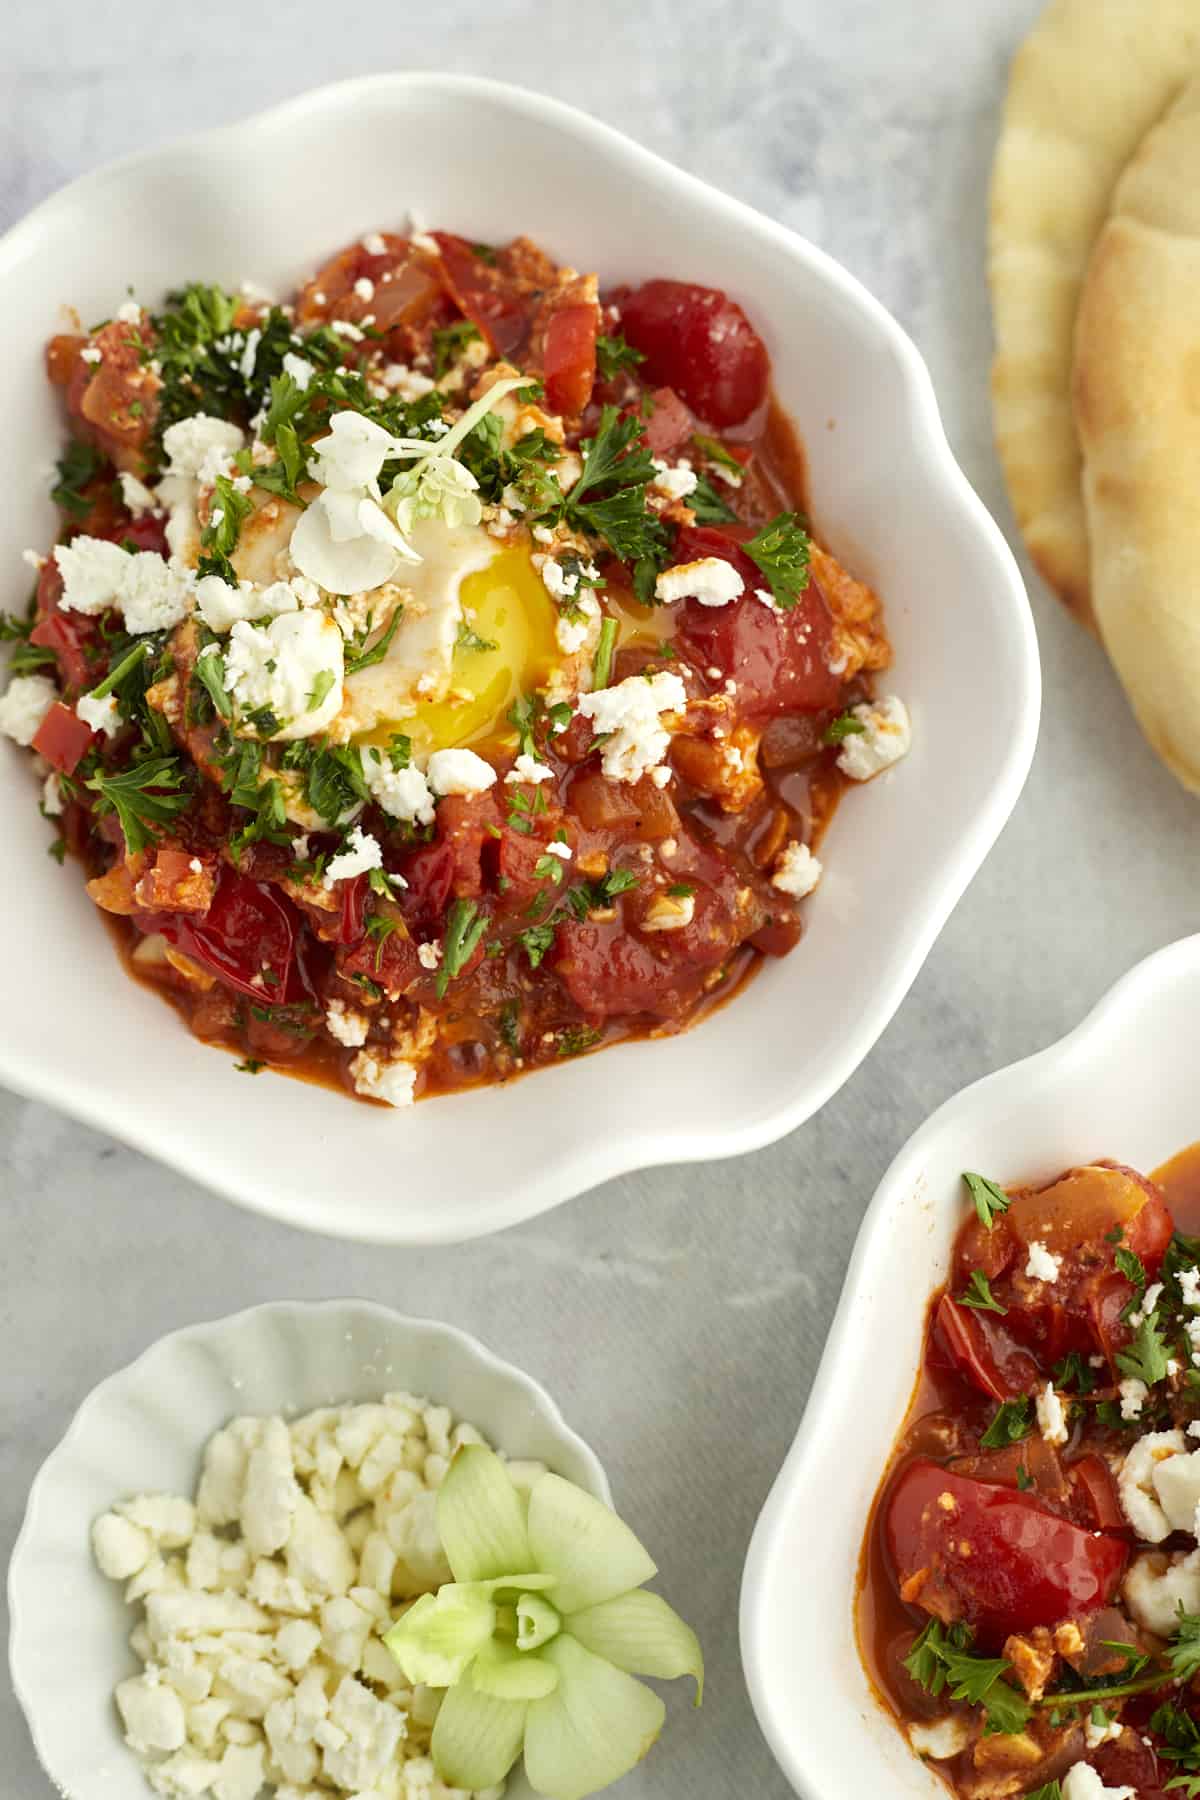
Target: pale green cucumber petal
{"points": [[481, 1519], [596, 1725], [583, 1543], [641, 1634]]}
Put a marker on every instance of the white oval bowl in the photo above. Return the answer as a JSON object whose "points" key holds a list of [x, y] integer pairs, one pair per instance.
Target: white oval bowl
{"points": [[886, 491], [1122, 1085], [144, 1430]]}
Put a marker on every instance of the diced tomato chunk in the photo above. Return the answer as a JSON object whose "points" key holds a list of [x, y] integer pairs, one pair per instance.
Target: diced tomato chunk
{"points": [[699, 342], [1025, 1566], [389, 962], [780, 660], [171, 884], [63, 738], [569, 359], [669, 428]]}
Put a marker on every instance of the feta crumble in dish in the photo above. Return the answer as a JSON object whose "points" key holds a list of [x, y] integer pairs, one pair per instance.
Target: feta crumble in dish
{"points": [[263, 1601], [1029, 1600], [436, 674]]}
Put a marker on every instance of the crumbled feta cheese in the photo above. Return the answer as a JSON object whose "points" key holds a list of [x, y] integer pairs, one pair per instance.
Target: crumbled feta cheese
{"points": [[221, 605], [710, 580], [402, 793], [1083, 1783], [886, 737], [668, 912], [677, 481], [459, 772], [1133, 1397], [23, 706], [1051, 1416], [393, 1082], [345, 329], [282, 666], [560, 583], [151, 593], [1096, 1734], [364, 287], [628, 716], [202, 447], [374, 243], [940, 1739], [249, 354], [558, 847], [298, 367], [409, 384], [1138, 1482], [1156, 1586], [346, 1025], [575, 630], [429, 955], [1042, 1264], [797, 870], [528, 768], [360, 854], [52, 796], [91, 353], [120, 1548], [93, 573], [767, 598], [152, 1714], [136, 495], [99, 715], [129, 312], [1189, 1284]]}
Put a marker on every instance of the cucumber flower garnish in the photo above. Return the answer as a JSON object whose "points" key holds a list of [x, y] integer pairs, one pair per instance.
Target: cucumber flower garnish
{"points": [[539, 1636], [437, 485]]}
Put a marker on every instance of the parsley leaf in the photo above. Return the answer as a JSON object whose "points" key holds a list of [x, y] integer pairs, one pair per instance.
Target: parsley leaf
{"points": [[1010, 1423], [1184, 1654], [209, 671], [1072, 1368], [979, 1294], [469, 639], [535, 941], [378, 651], [1131, 1266], [219, 538], [988, 1196], [1051, 1790], [450, 342], [781, 550], [135, 796], [609, 498], [613, 354], [603, 660], [465, 925], [707, 504], [940, 1659], [715, 452], [1146, 1358], [836, 732], [76, 467]]}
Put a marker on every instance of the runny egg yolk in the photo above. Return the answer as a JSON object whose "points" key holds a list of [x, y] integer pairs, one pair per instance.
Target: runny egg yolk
{"points": [[506, 647]]}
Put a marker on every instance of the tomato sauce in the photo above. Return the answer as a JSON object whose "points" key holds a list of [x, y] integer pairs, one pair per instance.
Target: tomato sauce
{"points": [[1042, 1534]]}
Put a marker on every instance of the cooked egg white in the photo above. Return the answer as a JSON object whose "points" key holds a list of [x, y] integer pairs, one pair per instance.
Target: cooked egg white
{"points": [[436, 684]]}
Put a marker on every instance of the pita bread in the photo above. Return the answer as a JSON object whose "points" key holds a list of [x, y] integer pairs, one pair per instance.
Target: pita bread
{"points": [[1087, 85], [1137, 403]]}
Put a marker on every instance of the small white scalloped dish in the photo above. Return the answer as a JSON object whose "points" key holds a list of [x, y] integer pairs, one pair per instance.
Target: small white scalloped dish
{"points": [[1122, 1085], [144, 1430], [269, 199]]}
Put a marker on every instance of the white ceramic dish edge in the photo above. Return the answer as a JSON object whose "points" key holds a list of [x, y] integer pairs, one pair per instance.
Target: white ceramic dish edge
{"points": [[576, 1161], [1080, 1097], [143, 1429]]}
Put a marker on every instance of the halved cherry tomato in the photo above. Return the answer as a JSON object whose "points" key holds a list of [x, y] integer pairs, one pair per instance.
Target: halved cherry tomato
{"points": [[982, 1351], [1098, 1491], [780, 660], [63, 738], [1078, 1212], [999, 1560], [484, 293], [247, 939], [699, 342], [569, 359]]}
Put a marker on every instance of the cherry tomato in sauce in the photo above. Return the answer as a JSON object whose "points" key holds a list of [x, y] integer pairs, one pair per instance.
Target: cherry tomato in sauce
{"points": [[484, 294], [247, 939], [669, 429], [779, 660], [699, 342], [998, 1560], [980, 1349]]}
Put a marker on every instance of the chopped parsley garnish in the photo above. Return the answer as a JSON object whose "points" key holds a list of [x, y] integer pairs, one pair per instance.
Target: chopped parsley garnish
{"points": [[781, 550], [548, 868], [1184, 1653], [1146, 1357], [1050, 1790], [136, 796], [707, 504], [1010, 1423], [613, 354], [576, 1041], [209, 671], [450, 342], [602, 662], [367, 658], [836, 732], [940, 1659], [380, 928], [535, 940], [979, 1294], [78, 466], [1131, 1266], [465, 925], [58, 850], [469, 639], [27, 657], [510, 1026], [219, 538], [715, 452], [251, 1066], [609, 498], [1181, 1745], [322, 683], [989, 1197], [1072, 1370]]}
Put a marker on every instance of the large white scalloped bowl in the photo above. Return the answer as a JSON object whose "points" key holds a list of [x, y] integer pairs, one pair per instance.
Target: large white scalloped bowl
{"points": [[269, 199], [143, 1431], [1123, 1085]]}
